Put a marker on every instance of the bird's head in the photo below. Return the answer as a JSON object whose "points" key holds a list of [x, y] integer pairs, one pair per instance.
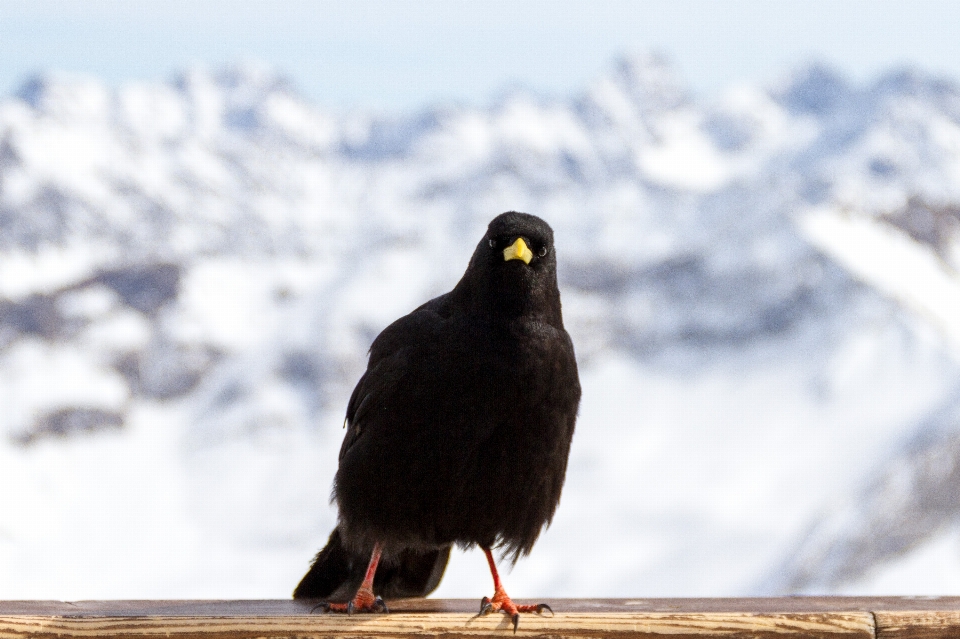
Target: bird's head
{"points": [[514, 267]]}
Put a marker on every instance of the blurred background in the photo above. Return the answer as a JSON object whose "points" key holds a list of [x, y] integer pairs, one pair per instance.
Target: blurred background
{"points": [[208, 211]]}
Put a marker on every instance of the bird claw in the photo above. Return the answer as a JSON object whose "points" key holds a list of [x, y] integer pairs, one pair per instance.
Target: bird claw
{"points": [[507, 607], [486, 607], [359, 604], [378, 605]]}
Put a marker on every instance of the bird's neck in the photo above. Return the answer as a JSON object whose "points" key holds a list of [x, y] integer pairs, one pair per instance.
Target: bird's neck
{"points": [[506, 302]]}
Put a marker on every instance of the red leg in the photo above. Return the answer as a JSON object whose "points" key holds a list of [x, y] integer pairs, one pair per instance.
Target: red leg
{"points": [[364, 600], [501, 601]]}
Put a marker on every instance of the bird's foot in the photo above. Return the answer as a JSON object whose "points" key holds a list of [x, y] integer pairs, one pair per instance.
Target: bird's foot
{"points": [[363, 601], [501, 602]]}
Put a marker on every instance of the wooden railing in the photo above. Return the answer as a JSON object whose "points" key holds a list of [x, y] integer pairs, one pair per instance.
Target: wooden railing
{"points": [[781, 618]]}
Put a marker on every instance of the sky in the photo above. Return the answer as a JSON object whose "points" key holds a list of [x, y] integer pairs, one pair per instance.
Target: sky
{"points": [[395, 55]]}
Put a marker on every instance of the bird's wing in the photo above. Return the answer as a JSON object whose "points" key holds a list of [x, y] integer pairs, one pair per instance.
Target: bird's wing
{"points": [[394, 351]]}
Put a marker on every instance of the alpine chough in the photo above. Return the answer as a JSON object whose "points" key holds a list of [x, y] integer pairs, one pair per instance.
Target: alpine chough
{"points": [[457, 433]]}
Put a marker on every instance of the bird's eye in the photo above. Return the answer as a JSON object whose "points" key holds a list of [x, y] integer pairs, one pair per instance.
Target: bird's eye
{"points": [[542, 251], [493, 244]]}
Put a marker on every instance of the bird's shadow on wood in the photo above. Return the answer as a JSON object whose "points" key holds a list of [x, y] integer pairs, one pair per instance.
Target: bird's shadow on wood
{"points": [[505, 621]]}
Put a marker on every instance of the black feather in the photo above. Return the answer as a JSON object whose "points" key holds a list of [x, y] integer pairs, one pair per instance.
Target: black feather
{"points": [[336, 573]]}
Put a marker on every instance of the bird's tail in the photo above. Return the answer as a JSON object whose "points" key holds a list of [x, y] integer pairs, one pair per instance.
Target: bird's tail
{"points": [[336, 573]]}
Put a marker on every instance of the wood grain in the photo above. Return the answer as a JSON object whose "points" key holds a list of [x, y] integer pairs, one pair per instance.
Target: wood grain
{"points": [[451, 625], [764, 618], [918, 624]]}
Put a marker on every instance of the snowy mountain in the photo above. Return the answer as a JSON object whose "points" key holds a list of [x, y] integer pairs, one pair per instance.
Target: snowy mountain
{"points": [[760, 290]]}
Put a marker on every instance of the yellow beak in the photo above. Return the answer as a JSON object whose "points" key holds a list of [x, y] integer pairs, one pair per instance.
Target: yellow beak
{"points": [[518, 251]]}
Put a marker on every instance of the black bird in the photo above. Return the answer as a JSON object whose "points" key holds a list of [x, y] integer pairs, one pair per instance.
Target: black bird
{"points": [[458, 432]]}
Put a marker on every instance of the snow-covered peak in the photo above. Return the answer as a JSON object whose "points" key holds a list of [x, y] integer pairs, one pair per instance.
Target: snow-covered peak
{"points": [[816, 89], [647, 83], [234, 98], [941, 91], [68, 97], [212, 257]]}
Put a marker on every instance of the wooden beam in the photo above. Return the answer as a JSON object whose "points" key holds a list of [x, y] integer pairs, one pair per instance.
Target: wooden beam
{"points": [[918, 624], [762, 618]]}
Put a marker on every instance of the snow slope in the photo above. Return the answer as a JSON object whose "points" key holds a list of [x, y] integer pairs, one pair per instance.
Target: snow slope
{"points": [[191, 273]]}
